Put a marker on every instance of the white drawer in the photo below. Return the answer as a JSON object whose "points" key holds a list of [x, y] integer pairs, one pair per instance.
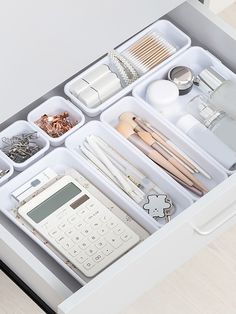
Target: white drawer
{"points": [[165, 250]]}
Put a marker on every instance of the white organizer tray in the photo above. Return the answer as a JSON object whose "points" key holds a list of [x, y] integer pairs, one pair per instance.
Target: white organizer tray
{"points": [[20, 127], [130, 104], [53, 106], [4, 165], [169, 31], [197, 59], [179, 197], [66, 160]]}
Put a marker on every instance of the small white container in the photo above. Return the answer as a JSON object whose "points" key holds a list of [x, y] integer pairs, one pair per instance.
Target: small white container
{"points": [[5, 165], [169, 31], [131, 104], [18, 128], [53, 106], [179, 197], [162, 94], [197, 59]]}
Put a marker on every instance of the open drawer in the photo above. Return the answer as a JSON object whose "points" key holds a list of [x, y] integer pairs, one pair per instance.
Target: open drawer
{"points": [[167, 248]]}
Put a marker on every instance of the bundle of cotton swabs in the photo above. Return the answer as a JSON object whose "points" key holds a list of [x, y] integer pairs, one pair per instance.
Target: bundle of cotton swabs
{"points": [[149, 51], [115, 167]]}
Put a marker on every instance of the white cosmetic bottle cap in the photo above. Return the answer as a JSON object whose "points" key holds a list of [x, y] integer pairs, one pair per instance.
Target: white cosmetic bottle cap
{"points": [[186, 123], [161, 94]]}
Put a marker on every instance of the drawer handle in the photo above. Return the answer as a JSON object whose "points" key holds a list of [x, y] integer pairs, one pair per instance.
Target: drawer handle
{"points": [[212, 230]]}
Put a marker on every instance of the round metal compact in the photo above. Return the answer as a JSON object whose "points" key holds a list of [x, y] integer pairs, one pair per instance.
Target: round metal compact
{"points": [[183, 77]]}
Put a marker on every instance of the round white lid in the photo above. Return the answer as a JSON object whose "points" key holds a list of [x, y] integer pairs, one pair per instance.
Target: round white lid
{"points": [[162, 93], [186, 123]]}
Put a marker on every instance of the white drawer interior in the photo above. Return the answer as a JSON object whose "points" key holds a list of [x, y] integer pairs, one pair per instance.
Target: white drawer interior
{"points": [[188, 18]]}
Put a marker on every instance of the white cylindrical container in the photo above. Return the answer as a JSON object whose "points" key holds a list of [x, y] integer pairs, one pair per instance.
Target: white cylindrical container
{"points": [[162, 94], [207, 140]]}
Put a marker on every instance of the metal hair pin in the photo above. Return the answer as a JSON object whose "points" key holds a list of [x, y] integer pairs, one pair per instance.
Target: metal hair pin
{"points": [[57, 125], [20, 148], [3, 172]]}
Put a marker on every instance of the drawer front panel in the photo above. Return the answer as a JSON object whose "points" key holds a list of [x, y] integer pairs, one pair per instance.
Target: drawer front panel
{"points": [[46, 285]]}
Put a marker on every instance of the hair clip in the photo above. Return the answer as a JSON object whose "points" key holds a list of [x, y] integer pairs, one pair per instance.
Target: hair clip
{"points": [[20, 148], [56, 125], [3, 172]]}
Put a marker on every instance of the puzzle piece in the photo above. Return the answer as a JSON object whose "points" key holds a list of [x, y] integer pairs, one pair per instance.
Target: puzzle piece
{"points": [[157, 205]]}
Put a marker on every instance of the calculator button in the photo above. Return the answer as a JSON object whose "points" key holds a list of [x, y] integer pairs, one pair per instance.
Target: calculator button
{"points": [[60, 239], [67, 244], [63, 226], [105, 218], [53, 232], [96, 224], [92, 216], [72, 219], [70, 232], [91, 206], [84, 245], [83, 212], [126, 236], [86, 230], [98, 257], [107, 250], [111, 224], [89, 264], [93, 237], [101, 243], [114, 240], [79, 225], [102, 231], [91, 250], [74, 252], [75, 238], [118, 230], [81, 257]]}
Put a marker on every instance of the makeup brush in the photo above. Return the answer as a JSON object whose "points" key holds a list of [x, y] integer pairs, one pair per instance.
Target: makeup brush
{"points": [[159, 137], [126, 130], [191, 188], [138, 126], [147, 138]]}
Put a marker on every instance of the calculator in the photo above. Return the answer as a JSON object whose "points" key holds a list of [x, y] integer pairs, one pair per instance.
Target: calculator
{"points": [[79, 226]]}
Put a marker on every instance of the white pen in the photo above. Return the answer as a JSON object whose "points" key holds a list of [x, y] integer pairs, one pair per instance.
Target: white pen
{"points": [[137, 195], [114, 155], [110, 166]]}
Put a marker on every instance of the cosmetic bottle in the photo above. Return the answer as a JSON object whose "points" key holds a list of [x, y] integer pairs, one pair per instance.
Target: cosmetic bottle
{"points": [[207, 140], [217, 121], [222, 93]]}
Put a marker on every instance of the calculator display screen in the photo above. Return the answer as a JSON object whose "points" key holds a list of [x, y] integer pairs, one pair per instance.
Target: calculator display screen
{"points": [[54, 202]]}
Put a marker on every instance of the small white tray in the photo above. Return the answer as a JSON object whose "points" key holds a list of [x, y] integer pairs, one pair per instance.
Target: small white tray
{"points": [[111, 117], [20, 127], [169, 31], [179, 197], [197, 59], [53, 106], [4, 165]]}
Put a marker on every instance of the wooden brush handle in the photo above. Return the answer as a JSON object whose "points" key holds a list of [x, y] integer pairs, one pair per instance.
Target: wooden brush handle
{"points": [[171, 149], [160, 160], [191, 188], [179, 166]]}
